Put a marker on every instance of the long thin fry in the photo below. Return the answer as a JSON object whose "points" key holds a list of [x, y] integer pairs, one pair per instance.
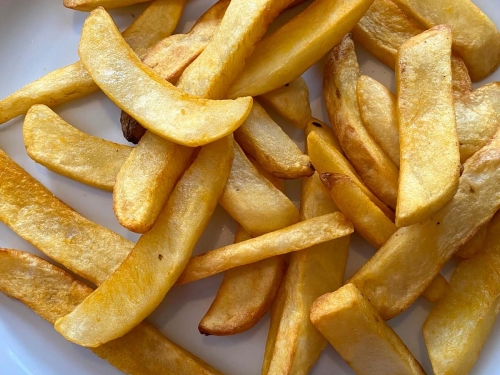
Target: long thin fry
{"points": [[88, 5]]}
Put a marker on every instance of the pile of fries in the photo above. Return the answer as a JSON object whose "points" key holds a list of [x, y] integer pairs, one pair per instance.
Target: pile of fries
{"points": [[416, 173]]}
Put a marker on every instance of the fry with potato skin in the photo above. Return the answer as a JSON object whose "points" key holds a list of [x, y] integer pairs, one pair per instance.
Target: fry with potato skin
{"points": [[89, 5], [51, 293], [138, 286], [358, 333]]}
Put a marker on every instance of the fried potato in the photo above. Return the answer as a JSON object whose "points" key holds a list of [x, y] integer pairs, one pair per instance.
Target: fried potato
{"points": [[36, 215], [377, 107], [357, 332], [437, 289], [474, 245], [291, 102], [399, 272], [475, 38], [340, 79], [458, 326], [430, 157], [89, 5], [292, 49], [293, 238], [138, 286], [323, 131], [385, 27], [156, 104], [55, 144], [51, 293], [265, 141], [293, 344]]}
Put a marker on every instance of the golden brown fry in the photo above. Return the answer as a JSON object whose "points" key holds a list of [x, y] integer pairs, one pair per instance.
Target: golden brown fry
{"points": [[293, 238], [475, 244], [377, 106], [475, 38], [437, 289], [35, 214], [430, 158], [51, 293], [292, 49], [291, 102], [138, 286], [358, 333], [458, 326], [323, 131], [400, 271], [55, 144], [266, 142], [89, 5], [339, 88]]}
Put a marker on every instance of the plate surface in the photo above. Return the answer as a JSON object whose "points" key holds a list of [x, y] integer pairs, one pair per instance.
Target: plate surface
{"points": [[38, 36]]}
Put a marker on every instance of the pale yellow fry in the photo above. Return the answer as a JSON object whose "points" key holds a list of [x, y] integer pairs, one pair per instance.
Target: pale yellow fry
{"points": [[475, 244], [358, 333], [293, 48], [437, 289], [399, 272], [36, 215], [324, 131], [60, 147], [458, 326], [243, 25], [155, 103], [291, 102], [377, 106], [89, 5], [138, 286], [340, 79], [475, 38], [293, 344], [51, 293], [293, 238], [266, 142], [430, 157]]}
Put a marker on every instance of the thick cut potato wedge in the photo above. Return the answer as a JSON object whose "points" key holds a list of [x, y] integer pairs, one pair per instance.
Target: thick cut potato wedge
{"points": [[475, 38], [89, 5], [138, 286], [292, 49], [399, 272], [51, 293], [457, 327], [55, 144], [35, 214], [291, 102], [265, 141], [377, 106], [156, 104], [340, 80], [358, 333], [293, 238], [293, 344], [73, 81], [430, 157], [474, 245], [226, 56]]}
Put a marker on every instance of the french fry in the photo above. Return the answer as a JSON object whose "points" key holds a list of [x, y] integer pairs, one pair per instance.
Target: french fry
{"points": [[437, 289], [291, 102], [55, 144], [399, 272], [358, 333], [293, 238], [475, 38], [292, 49], [140, 283], [73, 81], [266, 142], [475, 244], [51, 293], [293, 344], [430, 157], [89, 5], [340, 79], [377, 107], [457, 327], [156, 104], [323, 131]]}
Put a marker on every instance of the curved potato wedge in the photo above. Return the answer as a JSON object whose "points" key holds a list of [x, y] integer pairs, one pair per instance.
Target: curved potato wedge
{"points": [[89, 5], [292, 49], [475, 244], [51, 293], [340, 80], [155, 103], [58, 146], [138, 286], [430, 157]]}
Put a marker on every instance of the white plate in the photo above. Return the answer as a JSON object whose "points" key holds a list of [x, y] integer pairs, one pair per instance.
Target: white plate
{"points": [[38, 36]]}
